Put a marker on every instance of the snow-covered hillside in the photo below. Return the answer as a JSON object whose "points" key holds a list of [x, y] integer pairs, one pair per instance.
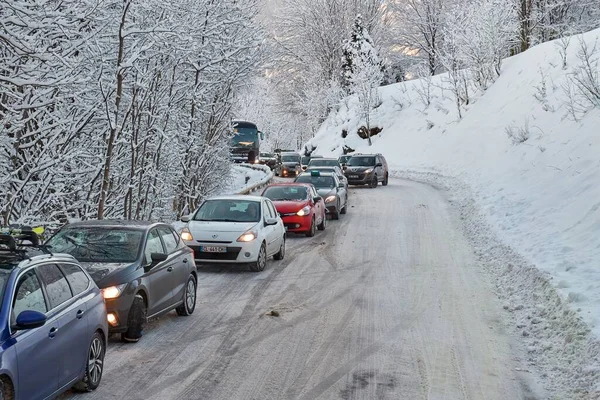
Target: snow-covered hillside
{"points": [[543, 194]]}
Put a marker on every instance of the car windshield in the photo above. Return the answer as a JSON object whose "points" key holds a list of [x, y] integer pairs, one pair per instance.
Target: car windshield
{"points": [[305, 160], [290, 158], [98, 243], [266, 155], [323, 162], [361, 162], [229, 211], [286, 193], [332, 170], [320, 182], [344, 159]]}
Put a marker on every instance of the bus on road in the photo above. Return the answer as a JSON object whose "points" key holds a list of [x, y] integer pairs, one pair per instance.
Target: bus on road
{"points": [[245, 143]]}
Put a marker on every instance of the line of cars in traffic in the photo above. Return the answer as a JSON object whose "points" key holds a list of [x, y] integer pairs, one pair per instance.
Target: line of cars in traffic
{"points": [[62, 299]]}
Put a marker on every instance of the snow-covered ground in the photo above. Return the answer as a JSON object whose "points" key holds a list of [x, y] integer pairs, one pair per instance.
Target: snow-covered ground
{"points": [[540, 196]]}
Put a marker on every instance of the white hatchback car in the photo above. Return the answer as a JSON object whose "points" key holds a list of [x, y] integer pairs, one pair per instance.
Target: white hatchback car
{"points": [[235, 230]]}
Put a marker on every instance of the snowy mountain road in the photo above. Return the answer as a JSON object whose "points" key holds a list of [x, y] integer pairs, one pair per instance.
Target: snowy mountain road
{"points": [[386, 303]]}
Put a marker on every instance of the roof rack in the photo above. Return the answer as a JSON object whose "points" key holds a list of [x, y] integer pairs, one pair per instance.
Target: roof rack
{"points": [[13, 242]]}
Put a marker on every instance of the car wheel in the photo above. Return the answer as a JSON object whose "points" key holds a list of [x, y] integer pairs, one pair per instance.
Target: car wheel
{"points": [[385, 180], [6, 389], [135, 320], [336, 214], [94, 365], [189, 298], [312, 230], [345, 209], [374, 182], [281, 254], [261, 262], [323, 223]]}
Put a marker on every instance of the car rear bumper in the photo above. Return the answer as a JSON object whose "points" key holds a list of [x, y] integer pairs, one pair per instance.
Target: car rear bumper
{"points": [[236, 253]]}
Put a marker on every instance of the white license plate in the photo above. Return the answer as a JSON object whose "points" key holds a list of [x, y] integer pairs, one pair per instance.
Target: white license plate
{"points": [[353, 176], [213, 249]]}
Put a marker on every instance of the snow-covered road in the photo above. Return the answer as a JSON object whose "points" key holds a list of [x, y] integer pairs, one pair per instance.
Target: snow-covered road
{"points": [[387, 303]]}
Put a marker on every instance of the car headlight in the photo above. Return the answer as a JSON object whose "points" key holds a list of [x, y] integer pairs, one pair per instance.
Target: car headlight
{"points": [[247, 237], [368, 171], [304, 211], [186, 235], [330, 199], [112, 292]]}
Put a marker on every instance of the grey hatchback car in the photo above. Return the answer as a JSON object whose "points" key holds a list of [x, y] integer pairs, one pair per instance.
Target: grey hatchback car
{"points": [[143, 269]]}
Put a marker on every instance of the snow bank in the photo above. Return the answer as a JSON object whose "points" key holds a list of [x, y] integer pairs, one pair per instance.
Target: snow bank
{"points": [[541, 196]]}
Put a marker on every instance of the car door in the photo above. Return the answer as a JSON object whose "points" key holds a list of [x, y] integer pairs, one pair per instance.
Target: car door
{"points": [[271, 231], [341, 192], [380, 170], [178, 260], [37, 353], [159, 277], [70, 337]]}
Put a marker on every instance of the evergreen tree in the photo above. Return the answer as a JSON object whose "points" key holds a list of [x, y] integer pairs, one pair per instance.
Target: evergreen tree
{"points": [[360, 57]]}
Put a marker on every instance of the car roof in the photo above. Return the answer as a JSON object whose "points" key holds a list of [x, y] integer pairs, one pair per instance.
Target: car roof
{"points": [[114, 223], [236, 197], [12, 263], [327, 158], [290, 153]]}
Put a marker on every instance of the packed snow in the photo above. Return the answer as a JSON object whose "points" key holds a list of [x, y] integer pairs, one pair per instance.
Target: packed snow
{"points": [[239, 174], [523, 166]]}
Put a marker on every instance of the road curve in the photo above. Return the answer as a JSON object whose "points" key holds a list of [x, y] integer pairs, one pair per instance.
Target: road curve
{"points": [[387, 303]]}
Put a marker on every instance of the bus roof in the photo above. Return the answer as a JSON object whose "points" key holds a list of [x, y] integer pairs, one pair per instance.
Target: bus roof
{"points": [[243, 124]]}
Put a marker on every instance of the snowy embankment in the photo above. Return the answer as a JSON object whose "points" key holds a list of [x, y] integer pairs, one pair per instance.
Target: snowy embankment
{"points": [[523, 168]]}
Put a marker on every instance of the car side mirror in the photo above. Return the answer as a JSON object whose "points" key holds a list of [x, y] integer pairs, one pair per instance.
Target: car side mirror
{"points": [[155, 258], [185, 218], [270, 221], [379, 165], [30, 319], [317, 199], [342, 186]]}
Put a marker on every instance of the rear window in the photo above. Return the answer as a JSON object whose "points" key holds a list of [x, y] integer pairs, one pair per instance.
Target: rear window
{"points": [[98, 244]]}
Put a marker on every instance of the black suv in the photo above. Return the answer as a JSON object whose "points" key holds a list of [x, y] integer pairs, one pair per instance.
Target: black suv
{"points": [[367, 169], [144, 269]]}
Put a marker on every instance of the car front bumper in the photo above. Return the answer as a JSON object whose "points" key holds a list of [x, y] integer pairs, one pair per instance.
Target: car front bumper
{"points": [[119, 307], [290, 172], [359, 178], [296, 223], [236, 252]]}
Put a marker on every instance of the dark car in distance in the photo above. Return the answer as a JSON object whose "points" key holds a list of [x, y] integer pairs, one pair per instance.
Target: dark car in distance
{"points": [[144, 269], [289, 165], [367, 169], [268, 159]]}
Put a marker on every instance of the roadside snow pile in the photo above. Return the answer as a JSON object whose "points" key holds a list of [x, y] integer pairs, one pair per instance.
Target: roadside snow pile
{"points": [[239, 174], [528, 152]]}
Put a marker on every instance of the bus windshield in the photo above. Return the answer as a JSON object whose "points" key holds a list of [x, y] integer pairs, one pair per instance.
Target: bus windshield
{"points": [[245, 137]]}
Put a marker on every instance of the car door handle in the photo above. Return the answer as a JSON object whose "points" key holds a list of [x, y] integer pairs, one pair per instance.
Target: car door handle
{"points": [[80, 314], [52, 332], [170, 269]]}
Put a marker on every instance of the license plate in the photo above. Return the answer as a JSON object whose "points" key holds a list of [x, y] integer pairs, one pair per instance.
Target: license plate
{"points": [[213, 249], [353, 176]]}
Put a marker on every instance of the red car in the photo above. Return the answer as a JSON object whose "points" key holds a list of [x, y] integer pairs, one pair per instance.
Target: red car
{"points": [[300, 207]]}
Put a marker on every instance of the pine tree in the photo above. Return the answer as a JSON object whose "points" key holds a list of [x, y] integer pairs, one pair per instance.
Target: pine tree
{"points": [[360, 56]]}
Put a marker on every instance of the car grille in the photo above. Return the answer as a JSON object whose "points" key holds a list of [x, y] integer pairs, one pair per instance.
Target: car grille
{"points": [[288, 214], [214, 241], [353, 174]]}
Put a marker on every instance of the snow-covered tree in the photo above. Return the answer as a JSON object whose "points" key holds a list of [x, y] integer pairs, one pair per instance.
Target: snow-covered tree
{"points": [[363, 70]]}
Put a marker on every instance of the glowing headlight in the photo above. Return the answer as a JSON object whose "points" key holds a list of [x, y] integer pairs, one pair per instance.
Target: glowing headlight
{"points": [[186, 235], [368, 171], [112, 292], [247, 237], [330, 199], [304, 211]]}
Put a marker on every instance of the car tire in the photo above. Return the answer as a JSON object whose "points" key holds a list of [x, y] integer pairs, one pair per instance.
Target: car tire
{"points": [[261, 262], [312, 230], [281, 254], [385, 180], [135, 320], [345, 209], [374, 182], [7, 391], [94, 365], [189, 298], [336, 214], [323, 223]]}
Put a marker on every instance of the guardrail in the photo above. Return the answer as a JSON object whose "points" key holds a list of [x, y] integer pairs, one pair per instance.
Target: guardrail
{"points": [[260, 184]]}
